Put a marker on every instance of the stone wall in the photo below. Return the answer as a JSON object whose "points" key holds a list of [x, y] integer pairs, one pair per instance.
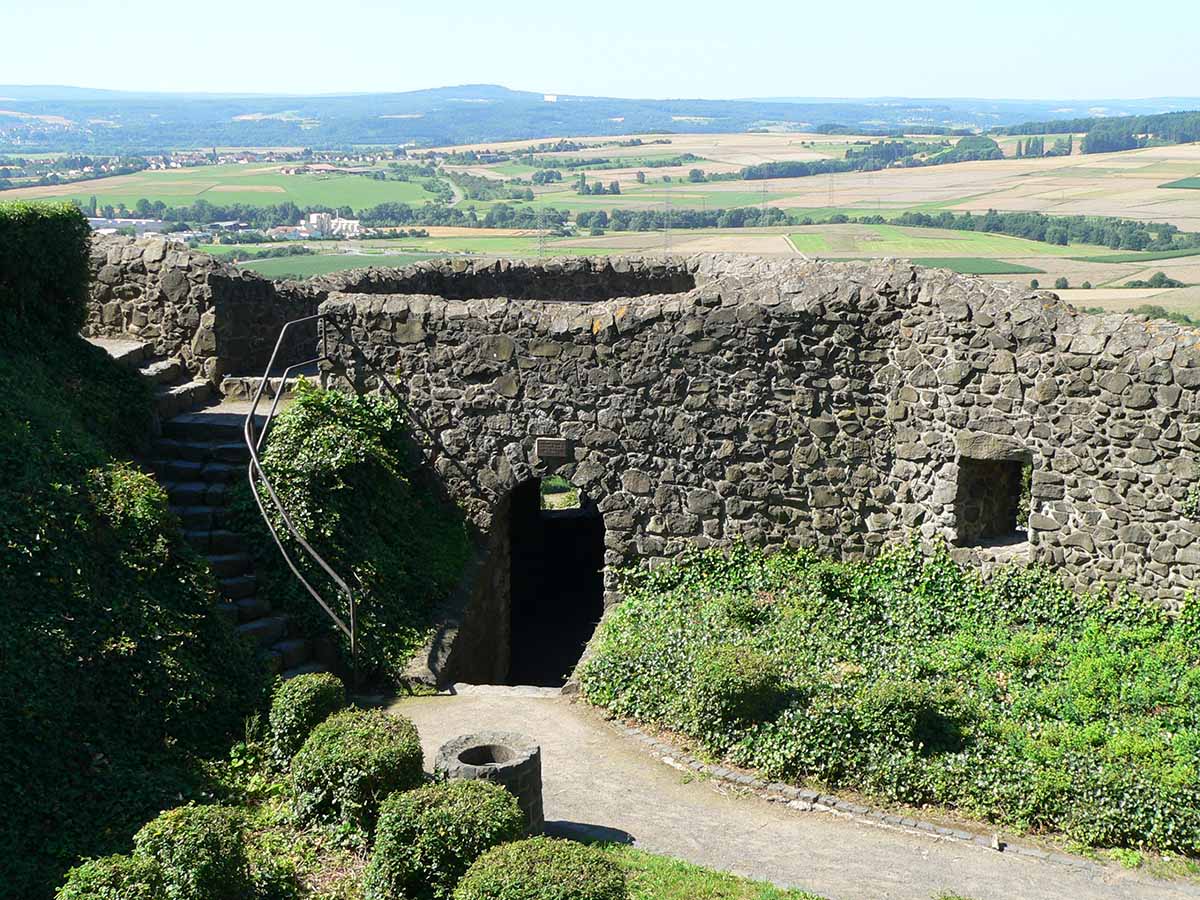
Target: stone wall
{"points": [[795, 403], [216, 319]]}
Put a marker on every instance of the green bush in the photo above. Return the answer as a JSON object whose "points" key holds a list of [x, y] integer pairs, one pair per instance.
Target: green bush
{"points": [[913, 679], [346, 470], [300, 705], [543, 869], [201, 852], [427, 839], [116, 675], [351, 762], [733, 687], [43, 268], [112, 878]]}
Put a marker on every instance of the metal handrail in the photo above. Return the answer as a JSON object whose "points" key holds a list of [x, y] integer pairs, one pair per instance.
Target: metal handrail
{"points": [[256, 474]]}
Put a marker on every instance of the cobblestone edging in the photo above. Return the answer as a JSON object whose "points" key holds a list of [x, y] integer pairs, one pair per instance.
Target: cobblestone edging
{"points": [[804, 800]]}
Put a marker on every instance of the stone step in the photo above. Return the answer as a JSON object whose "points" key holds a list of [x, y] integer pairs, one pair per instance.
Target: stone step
{"points": [[200, 516], [126, 351], [162, 371], [195, 493], [238, 586], [293, 652], [206, 426], [190, 470], [215, 541], [230, 452], [243, 387], [172, 400], [228, 565], [265, 631], [306, 669], [251, 608]]}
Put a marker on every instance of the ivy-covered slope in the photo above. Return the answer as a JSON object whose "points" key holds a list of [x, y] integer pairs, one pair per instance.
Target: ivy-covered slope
{"points": [[911, 679], [114, 673], [349, 474]]}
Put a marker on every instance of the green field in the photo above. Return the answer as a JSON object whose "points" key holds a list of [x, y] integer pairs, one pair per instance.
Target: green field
{"points": [[257, 185], [1193, 183], [894, 240], [976, 265], [1143, 256], [323, 264]]}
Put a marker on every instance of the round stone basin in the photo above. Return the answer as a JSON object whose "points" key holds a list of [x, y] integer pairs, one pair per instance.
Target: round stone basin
{"points": [[506, 758]]}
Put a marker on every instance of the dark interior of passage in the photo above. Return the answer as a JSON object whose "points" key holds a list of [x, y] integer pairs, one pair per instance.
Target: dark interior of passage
{"points": [[988, 501], [557, 586]]}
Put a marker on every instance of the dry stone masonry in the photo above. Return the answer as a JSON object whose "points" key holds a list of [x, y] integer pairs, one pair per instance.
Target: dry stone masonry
{"points": [[187, 305], [715, 399]]}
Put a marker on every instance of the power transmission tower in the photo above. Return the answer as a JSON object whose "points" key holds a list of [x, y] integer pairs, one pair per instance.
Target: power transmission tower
{"points": [[667, 226], [541, 232]]}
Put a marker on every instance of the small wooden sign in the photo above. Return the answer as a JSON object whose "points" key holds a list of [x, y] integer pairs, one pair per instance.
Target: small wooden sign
{"points": [[550, 448]]}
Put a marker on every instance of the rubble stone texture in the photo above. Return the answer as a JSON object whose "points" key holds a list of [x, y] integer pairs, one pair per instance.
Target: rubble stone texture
{"points": [[713, 399]]}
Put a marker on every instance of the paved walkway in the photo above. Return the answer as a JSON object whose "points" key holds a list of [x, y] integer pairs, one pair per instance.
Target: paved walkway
{"points": [[596, 777]]}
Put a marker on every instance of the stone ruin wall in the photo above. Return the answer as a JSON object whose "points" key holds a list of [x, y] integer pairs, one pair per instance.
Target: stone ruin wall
{"points": [[833, 405], [216, 319]]}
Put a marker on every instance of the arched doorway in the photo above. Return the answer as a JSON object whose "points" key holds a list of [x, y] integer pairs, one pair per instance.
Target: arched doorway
{"points": [[556, 582]]}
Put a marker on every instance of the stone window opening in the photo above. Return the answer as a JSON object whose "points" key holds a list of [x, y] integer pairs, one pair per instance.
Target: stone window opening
{"points": [[991, 504], [992, 495]]}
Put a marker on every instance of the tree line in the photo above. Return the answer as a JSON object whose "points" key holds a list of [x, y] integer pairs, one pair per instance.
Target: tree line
{"points": [[1104, 135]]}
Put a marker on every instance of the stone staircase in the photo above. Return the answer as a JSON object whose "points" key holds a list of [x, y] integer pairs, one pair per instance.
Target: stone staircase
{"points": [[198, 457]]}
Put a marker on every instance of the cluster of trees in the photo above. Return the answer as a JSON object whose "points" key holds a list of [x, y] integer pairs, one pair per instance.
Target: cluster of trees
{"points": [[1157, 280], [1117, 234], [477, 187], [653, 220], [546, 176], [596, 188], [1036, 146], [1103, 135], [866, 158], [969, 148]]}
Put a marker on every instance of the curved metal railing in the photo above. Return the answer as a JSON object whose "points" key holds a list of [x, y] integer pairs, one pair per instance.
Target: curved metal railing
{"points": [[264, 492]]}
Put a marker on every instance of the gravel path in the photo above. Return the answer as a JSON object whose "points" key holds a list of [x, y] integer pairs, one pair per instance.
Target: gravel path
{"points": [[601, 783]]}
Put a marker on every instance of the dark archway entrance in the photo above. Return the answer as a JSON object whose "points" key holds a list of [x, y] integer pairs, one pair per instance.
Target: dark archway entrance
{"points": [[556, 583]]}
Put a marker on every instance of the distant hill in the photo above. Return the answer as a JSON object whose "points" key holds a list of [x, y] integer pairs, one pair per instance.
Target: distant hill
{"points": [[62, 118]]}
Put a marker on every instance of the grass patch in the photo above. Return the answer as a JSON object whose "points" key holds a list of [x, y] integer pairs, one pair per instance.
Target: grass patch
{"points": [[323, 264], [254, 185], [1143, 256], [912, 680], [653, 877], [1186, 183], [976, 265]]}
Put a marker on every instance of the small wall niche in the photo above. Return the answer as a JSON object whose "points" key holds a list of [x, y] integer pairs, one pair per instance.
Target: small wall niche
{"points": [[987, 504]]}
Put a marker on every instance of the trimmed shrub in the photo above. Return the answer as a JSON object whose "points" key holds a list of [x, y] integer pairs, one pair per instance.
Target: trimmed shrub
{"points": [[733, 687], [300, 705], [112, 878], [201, 852], [43, 268], [427, 839], [543, 868], [351, 762]]}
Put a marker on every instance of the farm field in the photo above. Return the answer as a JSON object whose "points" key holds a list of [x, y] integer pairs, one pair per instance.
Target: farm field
{"points": [[996, 257], [261, 185]]}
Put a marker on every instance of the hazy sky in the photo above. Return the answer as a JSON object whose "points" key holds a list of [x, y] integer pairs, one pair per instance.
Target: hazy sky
{"points": [[1029, 49]]}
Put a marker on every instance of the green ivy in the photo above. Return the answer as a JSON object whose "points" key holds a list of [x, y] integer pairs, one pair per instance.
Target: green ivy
{"points": [[114, 673], [350, 477], [913, 679]]}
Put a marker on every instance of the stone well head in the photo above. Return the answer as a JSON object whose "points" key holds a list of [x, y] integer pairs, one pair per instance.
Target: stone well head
{"points": [[506, 758]]}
